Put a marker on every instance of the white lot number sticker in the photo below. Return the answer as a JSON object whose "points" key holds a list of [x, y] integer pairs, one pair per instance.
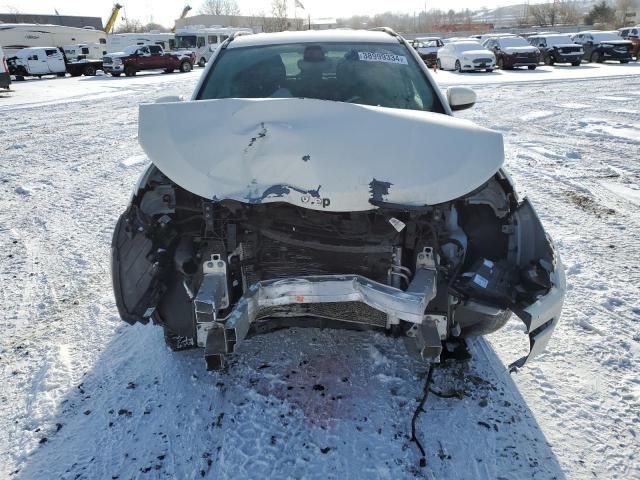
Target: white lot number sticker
{"points": [[382, 57]]}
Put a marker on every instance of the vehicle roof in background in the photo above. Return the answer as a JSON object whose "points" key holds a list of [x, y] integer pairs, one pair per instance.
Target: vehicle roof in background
{"points": [[309, 36]]}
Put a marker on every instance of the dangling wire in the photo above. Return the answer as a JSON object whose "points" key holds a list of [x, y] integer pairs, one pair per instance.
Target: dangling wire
{"points": [[416, 414]]}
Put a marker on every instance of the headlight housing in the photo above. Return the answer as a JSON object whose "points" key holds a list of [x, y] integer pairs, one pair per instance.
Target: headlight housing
{"points": [[117, 61]]}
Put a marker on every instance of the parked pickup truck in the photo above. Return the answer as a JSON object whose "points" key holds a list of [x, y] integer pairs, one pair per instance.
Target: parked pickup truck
{"points": [[5, 78], [40, 61], [147, 57]]}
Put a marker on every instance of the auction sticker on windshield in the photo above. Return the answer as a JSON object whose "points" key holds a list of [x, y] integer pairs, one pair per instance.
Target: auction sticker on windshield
{"points": [[382, 57]]}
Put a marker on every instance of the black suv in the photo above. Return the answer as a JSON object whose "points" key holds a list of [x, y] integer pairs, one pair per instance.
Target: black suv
{"points": [[601, 46], [557, 48]]}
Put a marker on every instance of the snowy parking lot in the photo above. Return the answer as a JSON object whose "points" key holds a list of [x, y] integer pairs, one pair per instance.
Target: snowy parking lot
{"points": [[86, 396]]}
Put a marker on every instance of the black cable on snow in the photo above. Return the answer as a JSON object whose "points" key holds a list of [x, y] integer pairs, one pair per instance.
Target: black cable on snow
{"points": [[416, 414]]}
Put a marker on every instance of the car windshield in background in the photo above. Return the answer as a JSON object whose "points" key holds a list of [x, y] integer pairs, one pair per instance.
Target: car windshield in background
{"points": [[559, 40], [606, 37], [466, 46], [368, 74], [186, 41], [513, 42]]}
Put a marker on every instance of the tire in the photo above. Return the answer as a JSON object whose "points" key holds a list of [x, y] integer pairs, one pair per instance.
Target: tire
{"points": [[624, 61], [576, 64], [531, 67], [90, 70], [61, 75], [438, 64], [596, 58], [130, 71], [115, 74], [76, 74], [168, 70], [548, 60], [489, 70], [458, 66], [186, 66], [500, 64], [202, 62]]}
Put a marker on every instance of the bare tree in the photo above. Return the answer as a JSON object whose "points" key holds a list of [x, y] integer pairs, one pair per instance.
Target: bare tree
{"points": [[625, 7], [544, 13], [130, 25], [220, 7], [279, 12], [152, 26]]}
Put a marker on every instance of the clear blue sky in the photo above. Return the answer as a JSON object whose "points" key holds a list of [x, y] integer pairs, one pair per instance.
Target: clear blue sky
{"points": [[165, 12]]}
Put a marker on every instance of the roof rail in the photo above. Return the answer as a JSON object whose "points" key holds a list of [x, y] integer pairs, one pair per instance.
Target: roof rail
{"points": [[387, 30], [233, 36]]}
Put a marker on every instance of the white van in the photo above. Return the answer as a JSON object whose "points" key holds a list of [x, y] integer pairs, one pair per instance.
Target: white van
{"points": [[37, 61], [5, 78], [204, 41]]}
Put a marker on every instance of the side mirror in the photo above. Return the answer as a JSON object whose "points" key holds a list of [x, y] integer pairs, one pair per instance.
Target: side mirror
{"points": [[170, 99], [461, 98]]}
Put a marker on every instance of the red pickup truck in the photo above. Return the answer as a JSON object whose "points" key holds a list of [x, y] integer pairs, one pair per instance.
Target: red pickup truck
{"points": [[147, 57]]}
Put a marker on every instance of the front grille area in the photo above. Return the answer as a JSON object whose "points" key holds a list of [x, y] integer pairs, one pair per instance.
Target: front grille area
{"points": [[482, 60], [570, 50], [107, 60]]}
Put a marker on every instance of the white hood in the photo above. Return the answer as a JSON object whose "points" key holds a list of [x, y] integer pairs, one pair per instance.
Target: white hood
{"points": [[513, 50], [480, 53], [317, 154]]}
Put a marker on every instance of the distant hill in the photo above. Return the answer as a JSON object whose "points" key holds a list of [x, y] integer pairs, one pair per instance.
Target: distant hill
{"points": [[512, 14]]}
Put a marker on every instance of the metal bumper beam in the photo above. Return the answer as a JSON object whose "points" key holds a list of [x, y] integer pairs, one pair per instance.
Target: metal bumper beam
{"points": [[222, 337]]}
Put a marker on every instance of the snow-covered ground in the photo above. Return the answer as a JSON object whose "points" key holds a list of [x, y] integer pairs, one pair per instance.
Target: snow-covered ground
{"points": [[85, 396]]}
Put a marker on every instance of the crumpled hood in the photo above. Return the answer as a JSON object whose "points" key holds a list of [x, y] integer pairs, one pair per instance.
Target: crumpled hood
{"points": [[566, 45], [317, 154], [617, 43], [513, 50]]}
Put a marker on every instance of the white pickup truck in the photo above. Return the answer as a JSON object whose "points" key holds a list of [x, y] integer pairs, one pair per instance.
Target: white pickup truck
{"points": [[36, 62], [39, 61]]}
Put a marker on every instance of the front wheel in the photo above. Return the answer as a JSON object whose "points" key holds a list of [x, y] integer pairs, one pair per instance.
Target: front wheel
{"points": [[202, 62], [115, 74], [624, 61], [130, 70], [531, 67], [548, 60], [438, 64], [576, 64], [489, 70], [185, 67], [61, 74], [458, 66], [90, 70], [596, 58], [168, 70]]}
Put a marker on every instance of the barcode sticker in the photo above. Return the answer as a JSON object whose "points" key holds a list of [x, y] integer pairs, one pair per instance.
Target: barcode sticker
{"points": [[481, 281], [383, 57], [397, 224]]}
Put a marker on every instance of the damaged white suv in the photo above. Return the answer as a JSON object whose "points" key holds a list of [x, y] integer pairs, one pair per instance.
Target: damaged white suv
{"points": [[328, 185]]}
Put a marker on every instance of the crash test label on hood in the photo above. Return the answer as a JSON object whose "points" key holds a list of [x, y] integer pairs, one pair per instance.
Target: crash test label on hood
{"points": [[382, 57]]}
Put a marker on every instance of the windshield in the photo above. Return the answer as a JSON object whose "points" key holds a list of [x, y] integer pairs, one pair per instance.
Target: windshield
{"points": [[466, 46], [513, 42], [186, 41], [605, 37], [559, 40], [367, 74]]}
